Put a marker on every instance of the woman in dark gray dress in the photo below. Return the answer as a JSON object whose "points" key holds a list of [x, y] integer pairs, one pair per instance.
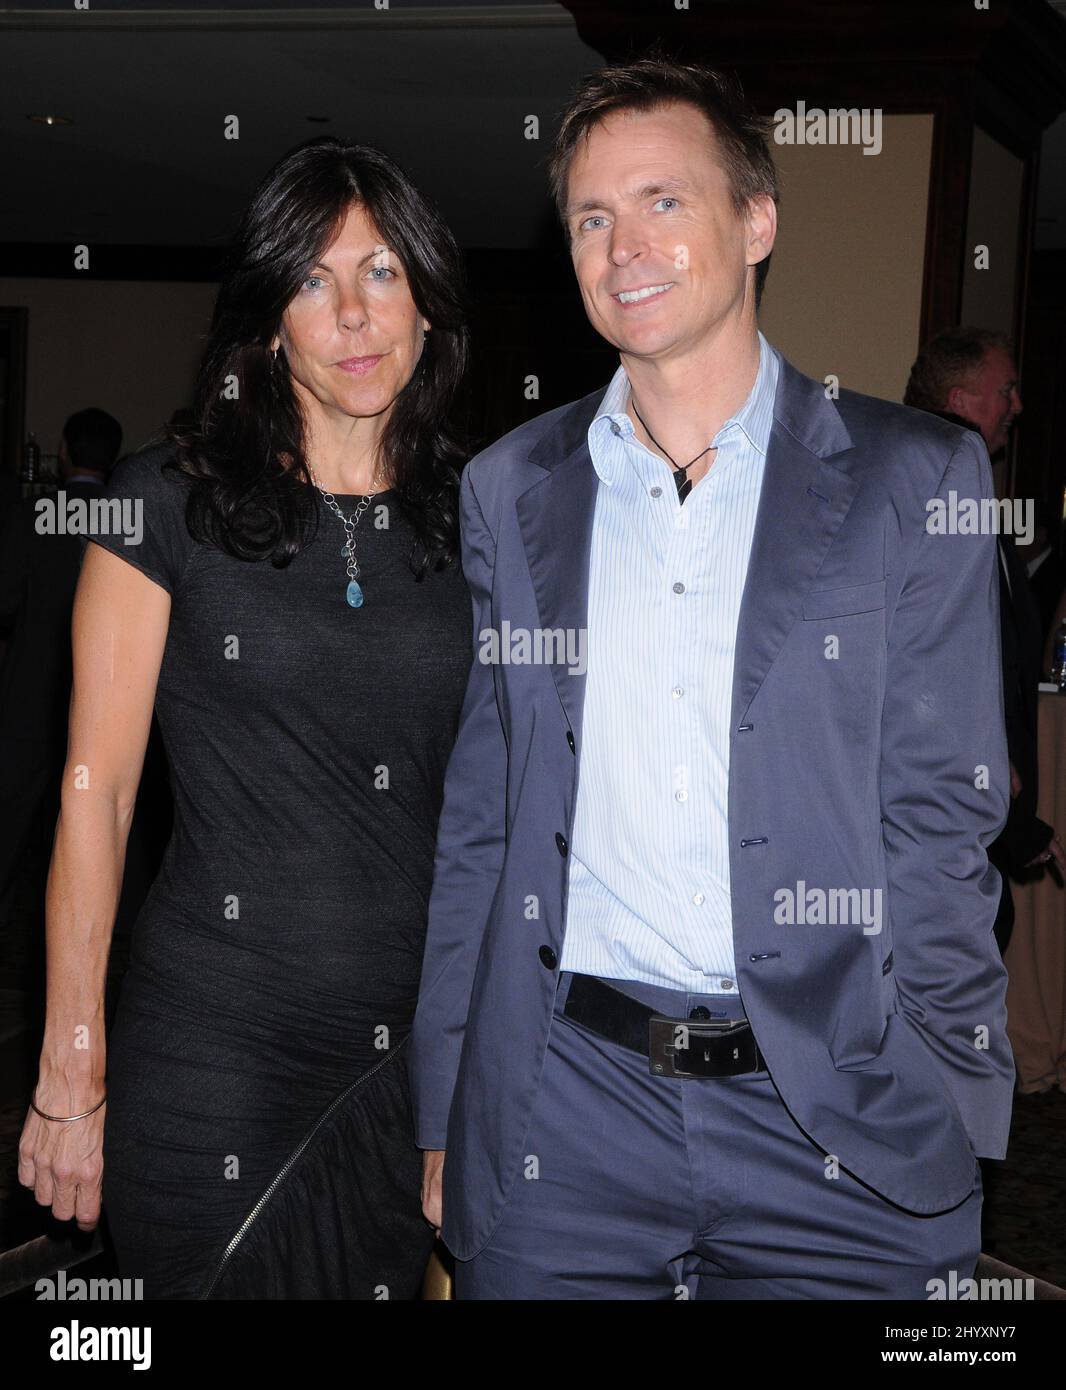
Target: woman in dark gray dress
{"points": [[291, 602]]}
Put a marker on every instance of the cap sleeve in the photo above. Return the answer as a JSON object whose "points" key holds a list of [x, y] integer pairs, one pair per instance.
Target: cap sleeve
{"points": [[152, 534]]}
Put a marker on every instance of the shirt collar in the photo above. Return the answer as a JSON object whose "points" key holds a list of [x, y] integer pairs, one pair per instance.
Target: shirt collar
{"points": [[754, 418]]}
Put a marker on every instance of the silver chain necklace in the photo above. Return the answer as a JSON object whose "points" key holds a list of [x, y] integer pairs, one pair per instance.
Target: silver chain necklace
{"points": [[354, 592]]}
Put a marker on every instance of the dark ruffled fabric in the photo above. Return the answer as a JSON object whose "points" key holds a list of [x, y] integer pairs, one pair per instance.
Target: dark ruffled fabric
{"points": [[345, 1222]]}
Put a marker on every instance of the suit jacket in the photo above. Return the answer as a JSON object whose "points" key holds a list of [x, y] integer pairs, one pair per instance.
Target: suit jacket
{"points": [[885, 768], [1024, 836]]}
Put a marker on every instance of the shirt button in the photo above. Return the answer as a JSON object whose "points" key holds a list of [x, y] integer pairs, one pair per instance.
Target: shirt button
{"points": [[681, 795], [677, 692], [560, 843], [616, 428], [570, 740], [697, 898], [656, 492], [679, 588], [548, 958], [726, 984]]}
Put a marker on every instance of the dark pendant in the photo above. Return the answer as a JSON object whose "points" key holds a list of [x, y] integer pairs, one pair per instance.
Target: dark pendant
{"points": [[684, 486], [355, 594]]}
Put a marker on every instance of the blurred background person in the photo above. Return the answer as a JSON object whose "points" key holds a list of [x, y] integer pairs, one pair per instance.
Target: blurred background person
{"points": [[970, 373]]}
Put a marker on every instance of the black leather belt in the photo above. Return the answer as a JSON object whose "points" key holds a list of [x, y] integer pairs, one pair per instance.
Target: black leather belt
{"points": [[681, 1047]]}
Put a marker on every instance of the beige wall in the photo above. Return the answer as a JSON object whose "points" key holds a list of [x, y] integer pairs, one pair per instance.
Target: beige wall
{"points": [[129, 347], [844, 293]]}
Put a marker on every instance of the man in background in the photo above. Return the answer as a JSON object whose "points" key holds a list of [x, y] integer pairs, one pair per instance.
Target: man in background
{"points": [[971, 373]]}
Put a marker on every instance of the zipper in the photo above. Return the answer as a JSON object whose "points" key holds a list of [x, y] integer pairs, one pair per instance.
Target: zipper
{"points": [[280, 1175]]}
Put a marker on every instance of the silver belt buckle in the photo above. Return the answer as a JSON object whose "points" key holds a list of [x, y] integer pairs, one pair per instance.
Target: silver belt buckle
{"points": [[674, 1047]]}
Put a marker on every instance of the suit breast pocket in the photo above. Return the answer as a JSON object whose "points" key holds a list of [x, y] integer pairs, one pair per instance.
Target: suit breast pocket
{"points": [[839, 603], [837, 655]]}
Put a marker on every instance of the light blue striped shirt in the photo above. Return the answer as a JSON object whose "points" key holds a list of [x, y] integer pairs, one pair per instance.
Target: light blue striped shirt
{"points": [[649, 856]]}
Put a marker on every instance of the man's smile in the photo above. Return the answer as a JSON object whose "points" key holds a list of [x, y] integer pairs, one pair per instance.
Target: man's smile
{"points": [[641, 295]]}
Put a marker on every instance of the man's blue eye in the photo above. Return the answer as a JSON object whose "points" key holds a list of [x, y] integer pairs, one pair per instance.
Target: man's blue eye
{"points": [[595, 218], [666, 200]]}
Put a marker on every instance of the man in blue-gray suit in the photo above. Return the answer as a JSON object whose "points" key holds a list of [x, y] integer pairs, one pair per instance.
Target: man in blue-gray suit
{"points": [[711, 1005]]}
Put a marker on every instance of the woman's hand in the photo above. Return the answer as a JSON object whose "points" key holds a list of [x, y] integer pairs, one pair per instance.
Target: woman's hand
{"points": [[64, 1162], [432, 1169]]}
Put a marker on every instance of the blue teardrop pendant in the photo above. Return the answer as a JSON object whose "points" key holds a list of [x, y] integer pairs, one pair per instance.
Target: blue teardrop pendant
{"points": [[354, 594]]}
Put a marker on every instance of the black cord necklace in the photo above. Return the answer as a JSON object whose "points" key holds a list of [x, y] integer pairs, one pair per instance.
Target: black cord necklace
{"points": [[681, 478]]}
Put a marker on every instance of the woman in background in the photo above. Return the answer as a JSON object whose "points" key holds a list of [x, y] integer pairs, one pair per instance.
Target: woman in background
{"points": [[295, 610]]}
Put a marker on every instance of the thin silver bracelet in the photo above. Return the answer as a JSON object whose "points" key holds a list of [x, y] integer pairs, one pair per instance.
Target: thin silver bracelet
{"points": [[65, 1119]]}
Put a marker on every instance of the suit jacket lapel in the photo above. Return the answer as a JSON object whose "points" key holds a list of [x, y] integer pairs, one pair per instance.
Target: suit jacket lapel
{"points": [[555, 519], [803, 501]]}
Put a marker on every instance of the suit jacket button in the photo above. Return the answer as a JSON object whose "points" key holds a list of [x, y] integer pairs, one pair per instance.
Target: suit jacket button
{"points": [[560, 844], [570, 740], [548, 957]]}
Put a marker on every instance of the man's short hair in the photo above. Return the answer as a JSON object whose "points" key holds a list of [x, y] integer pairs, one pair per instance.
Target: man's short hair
{"points": [[950, 359], [656, 81], [93, 440]]}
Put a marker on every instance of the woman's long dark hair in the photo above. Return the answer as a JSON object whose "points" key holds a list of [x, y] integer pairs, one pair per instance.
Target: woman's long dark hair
{"points": [[252, 494]]}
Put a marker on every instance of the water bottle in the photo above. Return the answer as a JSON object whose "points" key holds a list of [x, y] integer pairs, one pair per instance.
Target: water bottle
{"points": [[1058, 661]]}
